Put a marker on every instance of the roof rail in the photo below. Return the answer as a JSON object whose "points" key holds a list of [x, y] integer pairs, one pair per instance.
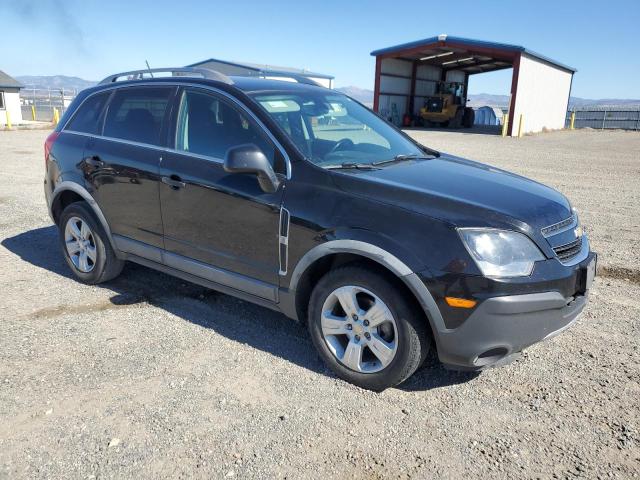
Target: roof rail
{"points": [[176, 72]]}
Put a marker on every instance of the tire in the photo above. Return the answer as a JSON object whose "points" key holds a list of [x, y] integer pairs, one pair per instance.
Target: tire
{"points": [[456, 122], [403, 328], [469, 117], [100, 263]]}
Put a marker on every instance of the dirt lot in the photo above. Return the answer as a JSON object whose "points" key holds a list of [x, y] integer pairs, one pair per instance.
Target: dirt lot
{"points": [[149, 376]]}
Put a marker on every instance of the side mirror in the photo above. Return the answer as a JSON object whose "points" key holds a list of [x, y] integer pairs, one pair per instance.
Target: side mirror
{"points": [[249, 158]]}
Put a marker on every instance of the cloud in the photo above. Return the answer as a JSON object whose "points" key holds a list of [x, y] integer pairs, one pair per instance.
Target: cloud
{"points": [[54, 14]]}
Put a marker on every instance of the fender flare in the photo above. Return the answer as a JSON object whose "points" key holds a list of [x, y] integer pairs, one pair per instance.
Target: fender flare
{"points": [[80, 190], [384, 258]]}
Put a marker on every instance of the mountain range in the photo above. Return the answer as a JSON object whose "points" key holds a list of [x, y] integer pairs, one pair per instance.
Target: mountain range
{"points": [[55, 82], [363, 95], [481, 99]]}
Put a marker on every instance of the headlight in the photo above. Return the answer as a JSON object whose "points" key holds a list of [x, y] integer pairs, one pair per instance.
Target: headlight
{"points": [[501, 253]]}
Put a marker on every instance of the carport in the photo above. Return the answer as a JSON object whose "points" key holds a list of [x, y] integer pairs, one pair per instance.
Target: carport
{"points": [[407, 74]]}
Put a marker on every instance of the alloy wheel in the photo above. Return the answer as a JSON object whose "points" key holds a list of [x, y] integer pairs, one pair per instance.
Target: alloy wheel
{"points": [[359, 329], [80, 244]]}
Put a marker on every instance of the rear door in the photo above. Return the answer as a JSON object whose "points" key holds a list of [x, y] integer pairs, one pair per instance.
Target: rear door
{"points": [[218, 225], [123, 166], [85, 122]]}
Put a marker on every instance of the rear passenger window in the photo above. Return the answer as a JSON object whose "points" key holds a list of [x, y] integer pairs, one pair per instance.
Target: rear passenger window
{"points": [[136, 114], [87, 118]]}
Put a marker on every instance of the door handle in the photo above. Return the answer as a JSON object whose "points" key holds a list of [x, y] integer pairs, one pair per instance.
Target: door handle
{"points": [[94, 161], [174, 181]]}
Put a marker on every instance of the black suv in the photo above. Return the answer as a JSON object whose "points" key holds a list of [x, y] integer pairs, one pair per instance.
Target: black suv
{"points": [[302, 200]]}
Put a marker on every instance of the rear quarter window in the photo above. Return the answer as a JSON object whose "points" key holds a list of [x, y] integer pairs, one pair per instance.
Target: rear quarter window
{"points": [[137, 114], [87, 117]]}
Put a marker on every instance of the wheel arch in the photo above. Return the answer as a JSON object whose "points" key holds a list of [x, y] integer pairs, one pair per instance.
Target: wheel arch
{"points": [[329, 255], [68, 192]]}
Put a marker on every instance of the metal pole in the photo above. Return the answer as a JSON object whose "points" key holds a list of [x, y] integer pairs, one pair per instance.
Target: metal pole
{"points": [[637, 120], [604, 119], [520, 125]]}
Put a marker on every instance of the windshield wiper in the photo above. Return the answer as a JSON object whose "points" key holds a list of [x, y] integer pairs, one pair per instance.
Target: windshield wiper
{"points": [[430, 151], [402, 158], [352, 166]]}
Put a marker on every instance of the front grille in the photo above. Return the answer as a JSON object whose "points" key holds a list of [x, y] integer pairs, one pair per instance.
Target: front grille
{"points": [[559, 227], [569, 250]]}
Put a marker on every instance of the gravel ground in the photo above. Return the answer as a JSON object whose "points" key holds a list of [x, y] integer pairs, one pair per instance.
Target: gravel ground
{"points": [[148, 376]]}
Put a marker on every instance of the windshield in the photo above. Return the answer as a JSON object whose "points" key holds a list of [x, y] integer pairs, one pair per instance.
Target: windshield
{"points": [[331, 129]]}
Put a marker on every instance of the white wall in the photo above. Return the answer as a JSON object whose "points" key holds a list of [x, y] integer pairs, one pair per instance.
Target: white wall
{"points": [[541, 96], [402, 86], [455, 76], [424, 86], [12, 104], [325, 82], [393, 84], [396, 66]]}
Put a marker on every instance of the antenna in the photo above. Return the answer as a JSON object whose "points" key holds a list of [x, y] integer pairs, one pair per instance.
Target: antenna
{"points": [[149, 68]]}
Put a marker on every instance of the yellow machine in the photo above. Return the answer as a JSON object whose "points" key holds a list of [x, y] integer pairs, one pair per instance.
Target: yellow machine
{"points": [[447, 107]]}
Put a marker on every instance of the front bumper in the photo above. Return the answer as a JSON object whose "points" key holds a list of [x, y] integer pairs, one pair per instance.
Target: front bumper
{"points": [[502, 326]]}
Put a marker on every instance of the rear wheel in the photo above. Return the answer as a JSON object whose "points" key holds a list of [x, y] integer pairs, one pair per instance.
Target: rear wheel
{"points": [[85, 245], [365, 329]]}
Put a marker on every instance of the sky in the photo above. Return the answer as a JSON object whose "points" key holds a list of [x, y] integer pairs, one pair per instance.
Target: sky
{"points": [[91, 39]]}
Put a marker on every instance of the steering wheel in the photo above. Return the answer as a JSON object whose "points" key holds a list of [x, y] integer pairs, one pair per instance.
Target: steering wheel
{"points": [[341, 145]]}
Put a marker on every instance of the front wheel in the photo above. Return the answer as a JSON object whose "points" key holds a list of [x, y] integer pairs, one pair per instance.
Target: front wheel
{"points": [[365, 328], [469, 117]]}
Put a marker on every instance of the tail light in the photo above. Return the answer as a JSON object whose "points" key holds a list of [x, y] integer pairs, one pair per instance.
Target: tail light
{"points": [[48, 145]]}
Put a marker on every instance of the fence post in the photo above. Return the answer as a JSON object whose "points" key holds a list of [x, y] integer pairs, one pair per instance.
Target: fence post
{"points": [[520, 125], [33, 113], [604, 119], [637, 120], [8, 115], [573, 120], [505, 124]]}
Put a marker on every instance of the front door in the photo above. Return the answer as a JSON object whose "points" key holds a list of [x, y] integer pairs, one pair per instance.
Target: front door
{"points": [[217, 225]]}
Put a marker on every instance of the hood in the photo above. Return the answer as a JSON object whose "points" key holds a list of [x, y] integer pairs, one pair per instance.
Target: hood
{"points": [[462, 192]]}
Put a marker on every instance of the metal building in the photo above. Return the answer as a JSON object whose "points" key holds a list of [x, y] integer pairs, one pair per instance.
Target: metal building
{"points": [[488, 116], [265, 71], [407, 74], [9, 99]]}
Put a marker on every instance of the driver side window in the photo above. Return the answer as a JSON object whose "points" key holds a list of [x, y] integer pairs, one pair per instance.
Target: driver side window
{"points": [[210, 125]]}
